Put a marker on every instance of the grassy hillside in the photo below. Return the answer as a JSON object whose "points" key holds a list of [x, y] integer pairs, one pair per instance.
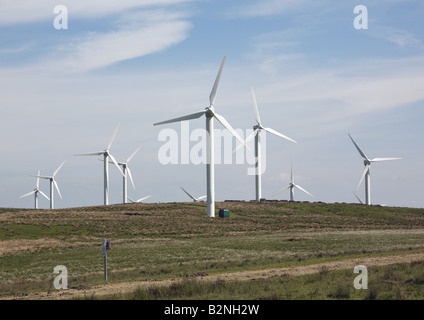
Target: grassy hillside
{"points": [[159, 241]]}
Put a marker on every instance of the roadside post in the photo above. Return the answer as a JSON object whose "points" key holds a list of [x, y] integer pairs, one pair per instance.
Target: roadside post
{"points": [[105, 247]]}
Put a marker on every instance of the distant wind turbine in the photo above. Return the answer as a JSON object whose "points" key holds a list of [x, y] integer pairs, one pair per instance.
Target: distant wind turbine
{"points": [[52, 182], [291, 186], [193, 198], [256, 133], [127, 173], [139, 200], [36, 191], [210, 114], [366, 172], [106, 154]]}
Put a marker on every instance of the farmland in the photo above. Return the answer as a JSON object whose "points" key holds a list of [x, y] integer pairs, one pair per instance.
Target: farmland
{"points": [[169, 243]]}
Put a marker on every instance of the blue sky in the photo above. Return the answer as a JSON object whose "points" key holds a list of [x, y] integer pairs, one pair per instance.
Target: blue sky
{"points": [[316, 79]]}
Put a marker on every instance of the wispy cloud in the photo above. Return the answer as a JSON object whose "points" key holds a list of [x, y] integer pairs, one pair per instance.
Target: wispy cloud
{"points": [[402, 38], [98, 50], [14, 12]]}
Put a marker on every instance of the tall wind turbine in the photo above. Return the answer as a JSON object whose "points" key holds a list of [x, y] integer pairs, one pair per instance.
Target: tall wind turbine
{"points": [[36, 191], [366, 172], [256, 133], [106, 154], [193, 198], [210, 114], [53, 182], [291, 186]]}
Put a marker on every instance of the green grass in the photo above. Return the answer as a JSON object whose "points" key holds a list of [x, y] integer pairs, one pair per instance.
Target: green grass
{"points": [[160, 241], [399, 282]]}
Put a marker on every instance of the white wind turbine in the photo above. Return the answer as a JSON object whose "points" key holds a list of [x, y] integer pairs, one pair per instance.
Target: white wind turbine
{"points": [[193, 198], [139, 200], [366, 172], [210, 114], [291, 186], [127, 173], [36, 191], [256, 133], [106, 154], [52, 182]]}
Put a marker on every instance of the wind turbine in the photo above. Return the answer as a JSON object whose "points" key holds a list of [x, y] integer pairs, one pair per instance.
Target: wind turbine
{"points": [[210, 114], [256, 131], [106, 154], [291, 186], [139, 200], [35, 192], [366, 172], [52, 182], [194, 199], [127, 173]]}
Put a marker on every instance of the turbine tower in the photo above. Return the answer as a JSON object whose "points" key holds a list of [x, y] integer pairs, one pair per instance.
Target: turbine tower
{"points": [[291, 186], [210, 114], [193, 198], [106, 154], [52, 182], [366, 172], [256, 133], [36, 191]]}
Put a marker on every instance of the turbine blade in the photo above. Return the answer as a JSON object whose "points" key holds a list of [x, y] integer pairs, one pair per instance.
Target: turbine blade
{"points": [[202, 197], [37, 183], [225, 123], [182, 118], [357, 197], [300, 188], [249, 137], [143, 199], [113, 137], [133, 154], [188, 193], [281, 190], [98, 153], [130, 176], [57, 170], [42, 177], [57, 188], [255, 106], [27, 194], [359, 149], [279, 134], [130, 199], [384, 159], [291, 173], [215, 85], [115, 163], [362, 176], [42, 193]]}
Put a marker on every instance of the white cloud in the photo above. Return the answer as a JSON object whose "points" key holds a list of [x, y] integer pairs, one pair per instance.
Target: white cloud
{"points": [[14, 12], [103, 49], [399, 37]]}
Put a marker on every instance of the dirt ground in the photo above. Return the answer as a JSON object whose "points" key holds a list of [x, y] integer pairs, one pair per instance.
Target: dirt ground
{"points": [[113, 288]]}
